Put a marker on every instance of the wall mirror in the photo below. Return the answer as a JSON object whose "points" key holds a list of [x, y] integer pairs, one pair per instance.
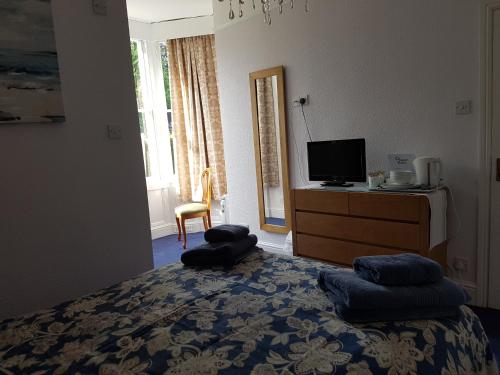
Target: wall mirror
{"points": [[271, 155]]}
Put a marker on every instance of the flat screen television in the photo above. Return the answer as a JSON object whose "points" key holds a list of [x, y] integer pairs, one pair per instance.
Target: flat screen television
{"points": [[337, 162]]}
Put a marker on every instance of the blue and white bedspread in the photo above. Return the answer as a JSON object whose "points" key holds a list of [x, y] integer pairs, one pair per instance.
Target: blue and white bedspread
{"points": [[264, 317]]}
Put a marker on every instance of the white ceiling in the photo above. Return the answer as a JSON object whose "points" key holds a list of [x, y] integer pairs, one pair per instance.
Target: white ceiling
{"points": [[163, 10]]}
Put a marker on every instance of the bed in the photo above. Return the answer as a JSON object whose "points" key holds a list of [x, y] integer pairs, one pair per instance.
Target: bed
{"points": [[265, 316]]}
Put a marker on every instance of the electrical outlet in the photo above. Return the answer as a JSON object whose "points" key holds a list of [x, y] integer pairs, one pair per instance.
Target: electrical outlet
{"points": [[114, 132], [460, 265], [304, 99], [100, 7], [463, 107]]}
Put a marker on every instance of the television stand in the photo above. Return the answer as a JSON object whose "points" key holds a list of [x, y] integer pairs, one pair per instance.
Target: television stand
{"points": [[337, 226], [336, 184]]}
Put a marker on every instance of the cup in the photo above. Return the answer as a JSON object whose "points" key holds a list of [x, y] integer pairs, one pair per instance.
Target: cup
{"points": [[374, 182]]}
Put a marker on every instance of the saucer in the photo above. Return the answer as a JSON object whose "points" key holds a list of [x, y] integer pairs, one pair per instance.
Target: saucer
{"points": [[399, 186]]}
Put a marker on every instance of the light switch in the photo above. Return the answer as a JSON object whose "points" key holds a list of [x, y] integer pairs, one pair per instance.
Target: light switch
{"points": [[463, 107], [100, 7], [114, 132]]}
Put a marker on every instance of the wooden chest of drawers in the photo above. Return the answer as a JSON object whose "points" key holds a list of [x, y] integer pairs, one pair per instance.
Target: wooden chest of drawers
{"points": [[338, 226]]}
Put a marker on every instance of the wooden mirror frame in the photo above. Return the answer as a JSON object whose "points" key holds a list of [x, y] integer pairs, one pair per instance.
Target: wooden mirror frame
{"points": [[279, 72]]}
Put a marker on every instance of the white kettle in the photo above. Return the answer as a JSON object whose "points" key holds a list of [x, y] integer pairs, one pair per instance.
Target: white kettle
{"points": [[428, 170]]}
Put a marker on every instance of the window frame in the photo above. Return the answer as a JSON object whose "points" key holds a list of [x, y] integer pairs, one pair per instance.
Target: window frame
{"points": [[156, 123]]}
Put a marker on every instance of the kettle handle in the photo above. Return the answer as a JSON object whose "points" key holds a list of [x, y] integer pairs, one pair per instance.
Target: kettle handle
{"points": [[438, 171]]}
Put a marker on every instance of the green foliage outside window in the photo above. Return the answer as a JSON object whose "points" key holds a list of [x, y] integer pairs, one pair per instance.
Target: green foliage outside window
{"points": [[137, 75], [166, 74]]}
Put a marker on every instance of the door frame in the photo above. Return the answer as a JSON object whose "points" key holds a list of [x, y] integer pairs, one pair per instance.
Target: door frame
{"points": [[488, 7]]}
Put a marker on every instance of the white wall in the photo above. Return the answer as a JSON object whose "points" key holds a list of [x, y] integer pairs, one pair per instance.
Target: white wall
{"points": [[161, 10], [389, 71], [74, 214], [140, 30], [163, 31]]}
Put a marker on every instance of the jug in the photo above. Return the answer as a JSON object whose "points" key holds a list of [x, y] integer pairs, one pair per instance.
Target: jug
{"points": [[428, 170]]}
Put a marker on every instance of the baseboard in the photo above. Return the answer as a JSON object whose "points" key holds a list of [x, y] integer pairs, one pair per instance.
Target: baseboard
{"points": [[273, 248], [164, 230]]}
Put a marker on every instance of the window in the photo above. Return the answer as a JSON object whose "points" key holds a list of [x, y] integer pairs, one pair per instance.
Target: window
{"points": [[152, 85], [168, 97], [136, 51]]}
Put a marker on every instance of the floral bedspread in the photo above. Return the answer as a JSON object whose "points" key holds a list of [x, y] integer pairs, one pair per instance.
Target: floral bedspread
{"points": [[264, 317]]}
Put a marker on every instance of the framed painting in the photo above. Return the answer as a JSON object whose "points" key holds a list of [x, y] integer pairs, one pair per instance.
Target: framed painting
{"points": [[30, 84]]}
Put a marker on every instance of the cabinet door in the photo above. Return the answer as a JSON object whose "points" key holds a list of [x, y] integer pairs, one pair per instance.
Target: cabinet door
{"points": [[337, 251], [401, 236], [322, 201], [385, 206]]}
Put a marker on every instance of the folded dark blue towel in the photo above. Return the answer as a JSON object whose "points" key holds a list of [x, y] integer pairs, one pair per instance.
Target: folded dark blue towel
{"points": [[226, 233], [225, 254], [347, 288], [402, 269], [390, 315]]}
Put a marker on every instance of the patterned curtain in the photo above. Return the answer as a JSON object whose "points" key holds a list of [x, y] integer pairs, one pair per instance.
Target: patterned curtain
{"points": [[196, 114], [267, 132]]}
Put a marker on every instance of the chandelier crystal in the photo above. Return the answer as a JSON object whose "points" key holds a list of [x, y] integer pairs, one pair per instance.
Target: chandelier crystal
{"points": [[267, 5]]}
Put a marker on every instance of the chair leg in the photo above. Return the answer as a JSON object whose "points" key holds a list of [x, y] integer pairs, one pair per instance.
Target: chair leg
{"points": [[209, 219], [205, 223], [183, 225], [178, 229]]}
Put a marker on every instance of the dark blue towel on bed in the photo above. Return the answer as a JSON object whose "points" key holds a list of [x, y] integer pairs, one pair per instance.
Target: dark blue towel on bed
{"points": [[226, 233], [347, 288], [225, 254], [390, 315], [402, 269]]}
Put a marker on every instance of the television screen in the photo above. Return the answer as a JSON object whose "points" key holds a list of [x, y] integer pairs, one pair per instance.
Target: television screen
{"points": [[337, 161]]}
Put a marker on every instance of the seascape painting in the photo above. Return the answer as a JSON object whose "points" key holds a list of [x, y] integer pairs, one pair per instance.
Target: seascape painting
{"points": [[30, 85]]}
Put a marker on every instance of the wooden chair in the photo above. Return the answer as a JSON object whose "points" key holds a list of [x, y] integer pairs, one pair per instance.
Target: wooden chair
{"points": [[196, 209]]}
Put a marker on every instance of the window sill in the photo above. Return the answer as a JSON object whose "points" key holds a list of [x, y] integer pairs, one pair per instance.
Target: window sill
{"points": [[154, 185]]}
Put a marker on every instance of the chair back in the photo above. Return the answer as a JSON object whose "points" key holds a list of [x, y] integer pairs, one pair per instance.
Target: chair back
{"points": [[206, 184]]}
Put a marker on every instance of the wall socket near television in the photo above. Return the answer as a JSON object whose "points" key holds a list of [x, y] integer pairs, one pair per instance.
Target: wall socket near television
{"points": [[301, 100]]}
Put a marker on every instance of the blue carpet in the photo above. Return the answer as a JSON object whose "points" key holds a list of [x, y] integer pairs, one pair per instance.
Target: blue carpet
{"points": [[167, 250], [489, 319]]}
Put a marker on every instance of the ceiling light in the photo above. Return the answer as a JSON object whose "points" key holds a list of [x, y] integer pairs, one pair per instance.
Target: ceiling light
{"points": [[267, 5]]}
